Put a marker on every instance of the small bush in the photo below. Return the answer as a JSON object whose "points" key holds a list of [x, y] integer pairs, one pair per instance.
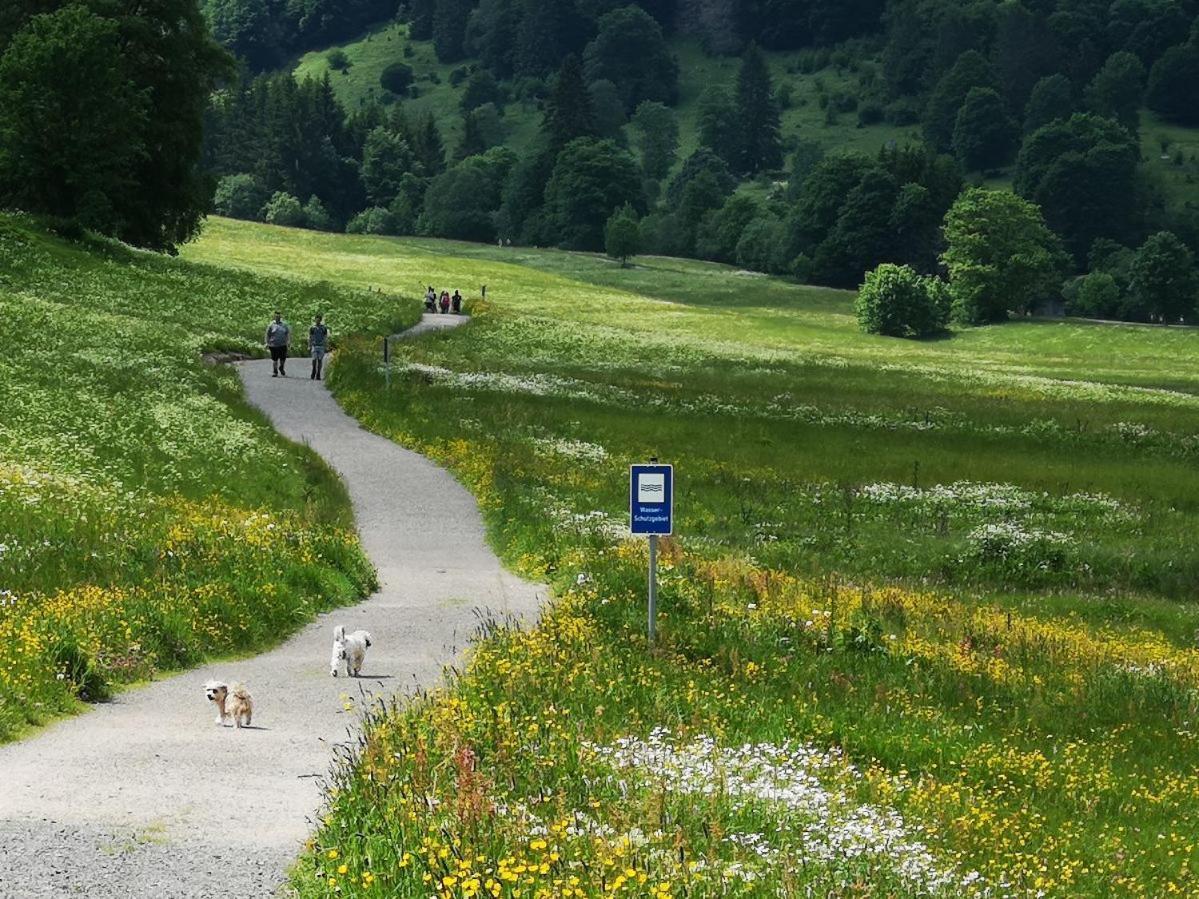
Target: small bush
{"points": [[904, 111], [459, 75], [897, 302], [283, 209], [397, 78], [870, 113], [239, 197], [375, 220], [338, 60]]}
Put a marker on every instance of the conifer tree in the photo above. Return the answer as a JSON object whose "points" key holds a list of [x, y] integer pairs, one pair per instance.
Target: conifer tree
{"points": [[758, 143], [568, 112], [449, 29]]}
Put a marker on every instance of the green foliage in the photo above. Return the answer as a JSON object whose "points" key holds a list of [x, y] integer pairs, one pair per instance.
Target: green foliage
{"points": [[449, 28], [397, 78], [338, 60], [1094, 295], [374, 220], [386, 159], [460, 203], [1000, 256], [720, 232], [316, 216], [896, 302], [239, 197], [481, 87], [1052, 99], [283, 209], [718, 124], [1116, 90], [1163, 283], [568, 113], [698, 163], [984, 137], [631, 52], [657, 127], [100, 118], [622, 234], [1083, 173], [970, 71], [609, 110], [758, 144], [1174, 84], [591, 179], [247, 28]]}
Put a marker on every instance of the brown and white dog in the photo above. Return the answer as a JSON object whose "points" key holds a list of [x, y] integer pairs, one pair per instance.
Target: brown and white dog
{"points": [[235, 703]]}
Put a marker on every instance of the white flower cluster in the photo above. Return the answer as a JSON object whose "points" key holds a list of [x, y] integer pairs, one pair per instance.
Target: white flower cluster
{"points": [[826, 825], [1008, 537], [572, 449], [990, 497]]}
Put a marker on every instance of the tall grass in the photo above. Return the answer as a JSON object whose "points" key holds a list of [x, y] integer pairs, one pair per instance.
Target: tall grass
{"points": [[927, 627], [148, 518]]}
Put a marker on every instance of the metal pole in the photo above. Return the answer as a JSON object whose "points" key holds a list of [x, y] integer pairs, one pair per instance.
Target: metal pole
{"points": [[387, 361], [653, 587]]}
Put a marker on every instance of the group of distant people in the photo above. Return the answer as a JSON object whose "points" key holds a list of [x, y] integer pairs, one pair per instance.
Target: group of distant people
{"points": [[278, 341], [445, 304]]}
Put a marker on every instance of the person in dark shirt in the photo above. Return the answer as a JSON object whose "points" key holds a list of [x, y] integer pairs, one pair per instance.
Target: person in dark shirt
{"points": [[277, 340], [318, 345]]}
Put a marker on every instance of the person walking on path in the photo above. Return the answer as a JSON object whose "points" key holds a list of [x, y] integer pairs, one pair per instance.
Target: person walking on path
{"points": [[445, 302], [431, 299], [456, 303], [318, 345], [278, 339]]}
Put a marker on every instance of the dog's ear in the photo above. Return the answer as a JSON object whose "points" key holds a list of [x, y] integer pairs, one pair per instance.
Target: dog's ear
{"points": [[367, 638], [339, 632]]}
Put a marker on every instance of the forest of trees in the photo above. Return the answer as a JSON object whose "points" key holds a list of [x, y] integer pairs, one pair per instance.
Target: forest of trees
{"points": [[1044, 95], [1047, 92]]}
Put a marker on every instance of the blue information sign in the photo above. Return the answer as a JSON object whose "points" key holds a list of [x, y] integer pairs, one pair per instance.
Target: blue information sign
{"points": [[651, 499]]}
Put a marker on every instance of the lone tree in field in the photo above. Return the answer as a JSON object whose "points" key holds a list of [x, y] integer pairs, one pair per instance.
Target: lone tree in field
{"points": [[1000, 255], [101, 117], [896, 302], [622, 235]]}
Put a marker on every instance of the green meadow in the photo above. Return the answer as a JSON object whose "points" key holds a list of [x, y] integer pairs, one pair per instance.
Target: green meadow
{"points": [[148, 518], [928, 622]]}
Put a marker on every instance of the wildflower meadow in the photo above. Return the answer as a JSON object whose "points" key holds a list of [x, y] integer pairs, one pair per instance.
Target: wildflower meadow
{"points": [[147, 517], [927, 622]]}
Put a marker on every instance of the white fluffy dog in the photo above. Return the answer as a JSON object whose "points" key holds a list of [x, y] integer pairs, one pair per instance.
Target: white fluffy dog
{"points": [[350, 649]]}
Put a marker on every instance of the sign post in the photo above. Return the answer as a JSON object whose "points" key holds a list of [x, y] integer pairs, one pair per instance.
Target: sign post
{"points": [[651, 514]]}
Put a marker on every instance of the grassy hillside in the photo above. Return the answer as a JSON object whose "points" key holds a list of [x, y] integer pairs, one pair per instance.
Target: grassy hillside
{"points": [[147, 517], [804, 119], [371, 54], [928, 623]]}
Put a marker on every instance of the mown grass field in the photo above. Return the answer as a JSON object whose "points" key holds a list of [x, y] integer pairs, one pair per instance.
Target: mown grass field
{"points": [[928, 624], [147, 517]]}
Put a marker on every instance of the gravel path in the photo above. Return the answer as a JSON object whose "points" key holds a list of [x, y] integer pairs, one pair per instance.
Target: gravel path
{"points": [[146, 797]]}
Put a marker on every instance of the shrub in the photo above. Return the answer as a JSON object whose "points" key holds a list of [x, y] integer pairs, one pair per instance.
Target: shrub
{"points": [[239, 197], [1096, 295], [870, 113], [897, 302], [338, 60], [316, 216], [904, 111], [397, 78], [375, 220], [283, 209]]}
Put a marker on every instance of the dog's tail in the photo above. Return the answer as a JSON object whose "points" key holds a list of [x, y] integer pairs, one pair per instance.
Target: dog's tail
{"points": [[339, 632], [367, 637], [240, 691]]}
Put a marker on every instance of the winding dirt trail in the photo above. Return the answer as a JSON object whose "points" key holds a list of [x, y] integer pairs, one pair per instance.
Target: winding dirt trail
{"points": [[146, 797]]}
